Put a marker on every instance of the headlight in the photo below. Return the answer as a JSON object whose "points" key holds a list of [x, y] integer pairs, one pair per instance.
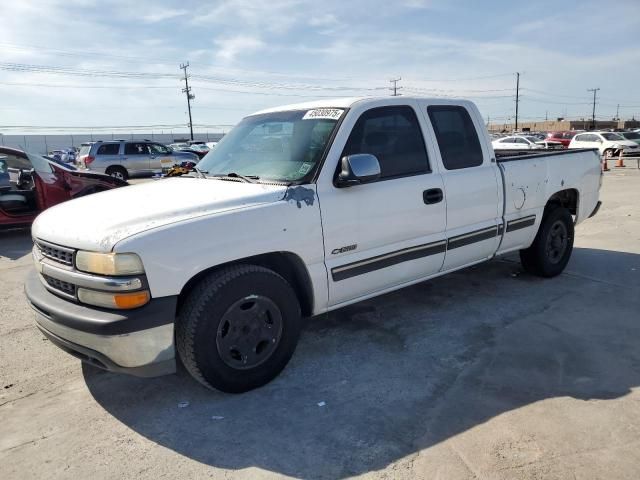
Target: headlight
{"points": [[109, 263], [114, 300]]}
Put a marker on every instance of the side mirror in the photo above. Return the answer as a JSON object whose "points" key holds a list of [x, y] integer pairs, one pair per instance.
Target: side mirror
{"points": [[357, 169]]}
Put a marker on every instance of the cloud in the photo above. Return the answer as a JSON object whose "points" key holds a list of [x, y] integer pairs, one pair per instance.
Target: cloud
{"points": [[418, 4], [230, 48], [163, 14]]}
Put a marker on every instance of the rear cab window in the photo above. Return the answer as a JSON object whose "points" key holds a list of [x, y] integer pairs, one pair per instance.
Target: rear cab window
{"points": [[456, 136], [394, 136]]}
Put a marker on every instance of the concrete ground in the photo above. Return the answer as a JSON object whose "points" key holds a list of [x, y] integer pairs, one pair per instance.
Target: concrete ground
{"points": [[486, 373]]}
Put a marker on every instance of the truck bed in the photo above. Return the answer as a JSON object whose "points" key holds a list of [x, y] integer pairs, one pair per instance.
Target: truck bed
{"points": [[530, 180]]}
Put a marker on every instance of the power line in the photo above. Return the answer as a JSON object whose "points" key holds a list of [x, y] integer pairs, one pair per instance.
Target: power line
{"points": [[155, 61]]}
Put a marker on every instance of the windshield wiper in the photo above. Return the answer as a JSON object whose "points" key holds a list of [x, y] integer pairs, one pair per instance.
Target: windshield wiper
{"points": [[245, 178], [202, 173]]}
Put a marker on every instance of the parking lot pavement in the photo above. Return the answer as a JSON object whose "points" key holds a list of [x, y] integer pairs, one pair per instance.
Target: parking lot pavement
{"points": [[484, 373]]}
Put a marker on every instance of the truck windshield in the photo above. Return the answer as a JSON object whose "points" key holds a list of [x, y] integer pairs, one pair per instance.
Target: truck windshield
{"points": [[281, 146]]}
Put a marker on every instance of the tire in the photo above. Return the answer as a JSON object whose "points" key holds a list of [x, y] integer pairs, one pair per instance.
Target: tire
{"points": [[238, 328], [118, 172], [551, 249], [608, 154]]}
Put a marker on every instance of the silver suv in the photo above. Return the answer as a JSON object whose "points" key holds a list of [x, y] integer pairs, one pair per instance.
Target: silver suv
{"points": [[123, 159]]}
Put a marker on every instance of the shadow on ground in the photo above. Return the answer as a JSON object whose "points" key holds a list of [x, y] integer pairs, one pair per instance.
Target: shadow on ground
{"points": [[403, 372], [15, 243]]}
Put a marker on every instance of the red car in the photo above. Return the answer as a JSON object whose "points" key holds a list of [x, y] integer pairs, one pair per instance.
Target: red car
{"points": [[563, 137], [30, 183]]}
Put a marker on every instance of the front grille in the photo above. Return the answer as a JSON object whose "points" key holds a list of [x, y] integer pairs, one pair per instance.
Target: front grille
{"points": [[64, 287], [56, 253]]}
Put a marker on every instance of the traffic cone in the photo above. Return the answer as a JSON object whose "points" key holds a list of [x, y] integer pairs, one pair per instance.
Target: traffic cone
{"points": [[605, 167], [620, 162]]}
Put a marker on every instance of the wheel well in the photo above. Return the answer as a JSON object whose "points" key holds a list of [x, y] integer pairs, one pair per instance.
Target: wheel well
{"points": [[286, 264], [564, 198]]}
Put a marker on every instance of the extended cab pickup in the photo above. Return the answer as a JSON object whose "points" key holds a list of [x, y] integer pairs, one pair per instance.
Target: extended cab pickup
{"points": [[299, 210]]}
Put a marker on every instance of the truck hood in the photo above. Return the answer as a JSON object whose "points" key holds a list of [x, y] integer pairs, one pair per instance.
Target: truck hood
{"points": [[97, 222]]}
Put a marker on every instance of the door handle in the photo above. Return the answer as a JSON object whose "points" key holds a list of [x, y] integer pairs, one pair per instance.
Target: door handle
{"points": [[431, 196]]}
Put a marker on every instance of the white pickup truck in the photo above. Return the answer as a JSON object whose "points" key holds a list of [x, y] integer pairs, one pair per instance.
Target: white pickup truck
{"points": [[299, 210]]}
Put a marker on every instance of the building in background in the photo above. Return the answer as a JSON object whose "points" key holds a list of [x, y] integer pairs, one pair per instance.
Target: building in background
{"points": [[561, 125]]}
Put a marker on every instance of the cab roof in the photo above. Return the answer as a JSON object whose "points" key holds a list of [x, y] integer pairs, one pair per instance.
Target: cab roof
{"points": [[352, 101]]}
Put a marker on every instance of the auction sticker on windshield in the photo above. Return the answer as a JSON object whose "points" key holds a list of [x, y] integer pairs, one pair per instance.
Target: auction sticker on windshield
{"points": [[323, 113]]}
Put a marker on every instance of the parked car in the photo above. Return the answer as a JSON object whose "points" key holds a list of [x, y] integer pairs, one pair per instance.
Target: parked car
{"points": [[563, 137], [357, 209], [633, 136], [524, 142], [123, 159], [609, 144], [59, 155], [31, 183], [199, 149]]}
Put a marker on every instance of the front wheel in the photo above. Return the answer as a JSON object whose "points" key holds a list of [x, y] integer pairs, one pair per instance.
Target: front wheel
{"points": [[238, 328], [550, 251]]}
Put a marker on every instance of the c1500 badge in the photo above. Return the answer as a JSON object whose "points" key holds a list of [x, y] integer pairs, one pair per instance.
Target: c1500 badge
{"points": [[348, 248]]}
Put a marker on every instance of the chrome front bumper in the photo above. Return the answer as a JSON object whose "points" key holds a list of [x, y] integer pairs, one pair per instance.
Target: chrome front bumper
{"points": [[139, 341]]}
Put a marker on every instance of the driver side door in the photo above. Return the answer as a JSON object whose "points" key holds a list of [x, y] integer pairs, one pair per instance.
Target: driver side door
{"points": [[389, 232]]}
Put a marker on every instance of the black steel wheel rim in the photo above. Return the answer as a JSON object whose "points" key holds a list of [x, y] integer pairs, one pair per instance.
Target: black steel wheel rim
{"points": [[249, 332], [557, 242]]}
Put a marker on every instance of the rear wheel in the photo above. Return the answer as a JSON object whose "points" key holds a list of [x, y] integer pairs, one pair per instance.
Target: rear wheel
{"points": [[238, 328], [118, 172], [552, 247], [608, 154]]}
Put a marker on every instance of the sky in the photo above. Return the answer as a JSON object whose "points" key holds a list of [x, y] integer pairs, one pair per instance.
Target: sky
{"points": [[67, 65]]}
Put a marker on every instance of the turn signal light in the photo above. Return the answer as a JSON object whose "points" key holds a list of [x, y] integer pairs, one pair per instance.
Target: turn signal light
{"points": [[131, 300], [122, 301]]}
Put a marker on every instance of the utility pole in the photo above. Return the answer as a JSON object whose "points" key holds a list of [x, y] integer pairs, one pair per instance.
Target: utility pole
{"points": [[618, 112], [187, 90], [593, 115], [395, 87], [517, 97]]}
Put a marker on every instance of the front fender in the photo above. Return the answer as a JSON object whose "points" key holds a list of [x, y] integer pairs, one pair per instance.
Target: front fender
{"points": [[175, 253]]}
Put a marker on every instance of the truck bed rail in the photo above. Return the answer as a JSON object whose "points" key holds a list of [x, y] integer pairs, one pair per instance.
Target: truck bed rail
{"points": [[513, 155]]}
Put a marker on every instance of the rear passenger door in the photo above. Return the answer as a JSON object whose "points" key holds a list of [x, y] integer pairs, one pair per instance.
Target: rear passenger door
{"points": [[389, 232], [136, 157], [471, 181]]}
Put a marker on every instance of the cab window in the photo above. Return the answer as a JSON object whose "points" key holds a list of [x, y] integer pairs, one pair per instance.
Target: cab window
{"points": [[457, 137], [394, 136]]}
